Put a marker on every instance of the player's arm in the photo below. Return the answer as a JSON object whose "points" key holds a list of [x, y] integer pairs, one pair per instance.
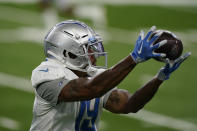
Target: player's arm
{"points": [[121, 101], [84, 88]]}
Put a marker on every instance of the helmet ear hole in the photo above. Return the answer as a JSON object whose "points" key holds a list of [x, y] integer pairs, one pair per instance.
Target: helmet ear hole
{"points": [[71, 55]]}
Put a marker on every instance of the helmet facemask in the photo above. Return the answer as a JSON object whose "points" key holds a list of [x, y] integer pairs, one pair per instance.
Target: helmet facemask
{"points": [[97, 55], [94, 54]]}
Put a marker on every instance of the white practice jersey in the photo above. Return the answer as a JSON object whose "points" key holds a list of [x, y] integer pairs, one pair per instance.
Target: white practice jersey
{"points": [[48, 114]]}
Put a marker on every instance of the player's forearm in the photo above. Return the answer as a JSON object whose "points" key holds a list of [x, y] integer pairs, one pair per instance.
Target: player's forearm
{"points": [[143, 96], [113, 76], [85, 89]]}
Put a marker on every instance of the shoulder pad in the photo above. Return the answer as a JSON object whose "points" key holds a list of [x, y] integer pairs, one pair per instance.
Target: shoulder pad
{"points": [[49, 70], [45, 73]]}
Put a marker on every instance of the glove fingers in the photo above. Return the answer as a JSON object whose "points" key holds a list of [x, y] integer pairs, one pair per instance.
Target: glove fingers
{"points": [[183, 57], [140, 37], [179, 60], [155, 37], [156, 46], [139, 42], [158, 55], [153, 28], [171, 66], [142, 34], [167, 63]]}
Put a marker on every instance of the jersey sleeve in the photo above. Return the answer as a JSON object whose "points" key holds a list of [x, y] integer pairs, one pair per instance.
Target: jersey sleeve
{"points": [[50, 90]]}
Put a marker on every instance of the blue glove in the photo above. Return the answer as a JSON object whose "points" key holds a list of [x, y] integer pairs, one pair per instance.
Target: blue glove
{"points": [[144, 48], [170, 67]]}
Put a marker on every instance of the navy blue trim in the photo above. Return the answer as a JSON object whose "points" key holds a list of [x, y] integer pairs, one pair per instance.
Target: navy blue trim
{"points": [[81, 113], [83, 125], [93, 113], [72, 22]]}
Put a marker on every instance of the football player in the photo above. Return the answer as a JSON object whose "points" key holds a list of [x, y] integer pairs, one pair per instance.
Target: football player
{"points": [[71, 89]]}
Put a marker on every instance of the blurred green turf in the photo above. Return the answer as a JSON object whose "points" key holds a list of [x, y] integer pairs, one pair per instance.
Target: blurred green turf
{"points": [[9, 25], [12, 17], [16, 105], [116, 122], [20, 58], [138, 17], [176, 98]]}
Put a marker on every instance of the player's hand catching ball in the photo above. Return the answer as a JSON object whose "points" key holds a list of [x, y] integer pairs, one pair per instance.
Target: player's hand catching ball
{"points": [[171, 66], [144, 48]]}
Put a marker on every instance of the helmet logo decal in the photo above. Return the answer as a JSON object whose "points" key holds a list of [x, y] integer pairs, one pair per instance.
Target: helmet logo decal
{"points": [[46, 70]]}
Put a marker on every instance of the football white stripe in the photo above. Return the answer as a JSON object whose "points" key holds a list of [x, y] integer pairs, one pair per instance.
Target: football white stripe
{"points": [[15, 82], [162, 120], [109, 34], [9, 123], [17, 15]]}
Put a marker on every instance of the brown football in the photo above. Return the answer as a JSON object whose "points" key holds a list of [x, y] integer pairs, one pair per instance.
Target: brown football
{"points": [[173, 48]]}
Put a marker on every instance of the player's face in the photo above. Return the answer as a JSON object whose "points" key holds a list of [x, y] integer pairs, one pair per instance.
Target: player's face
{"points": [[92, 57]]}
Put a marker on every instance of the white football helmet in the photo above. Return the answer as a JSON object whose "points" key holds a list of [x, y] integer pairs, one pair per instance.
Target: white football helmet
{"points": [[70, 41]]}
